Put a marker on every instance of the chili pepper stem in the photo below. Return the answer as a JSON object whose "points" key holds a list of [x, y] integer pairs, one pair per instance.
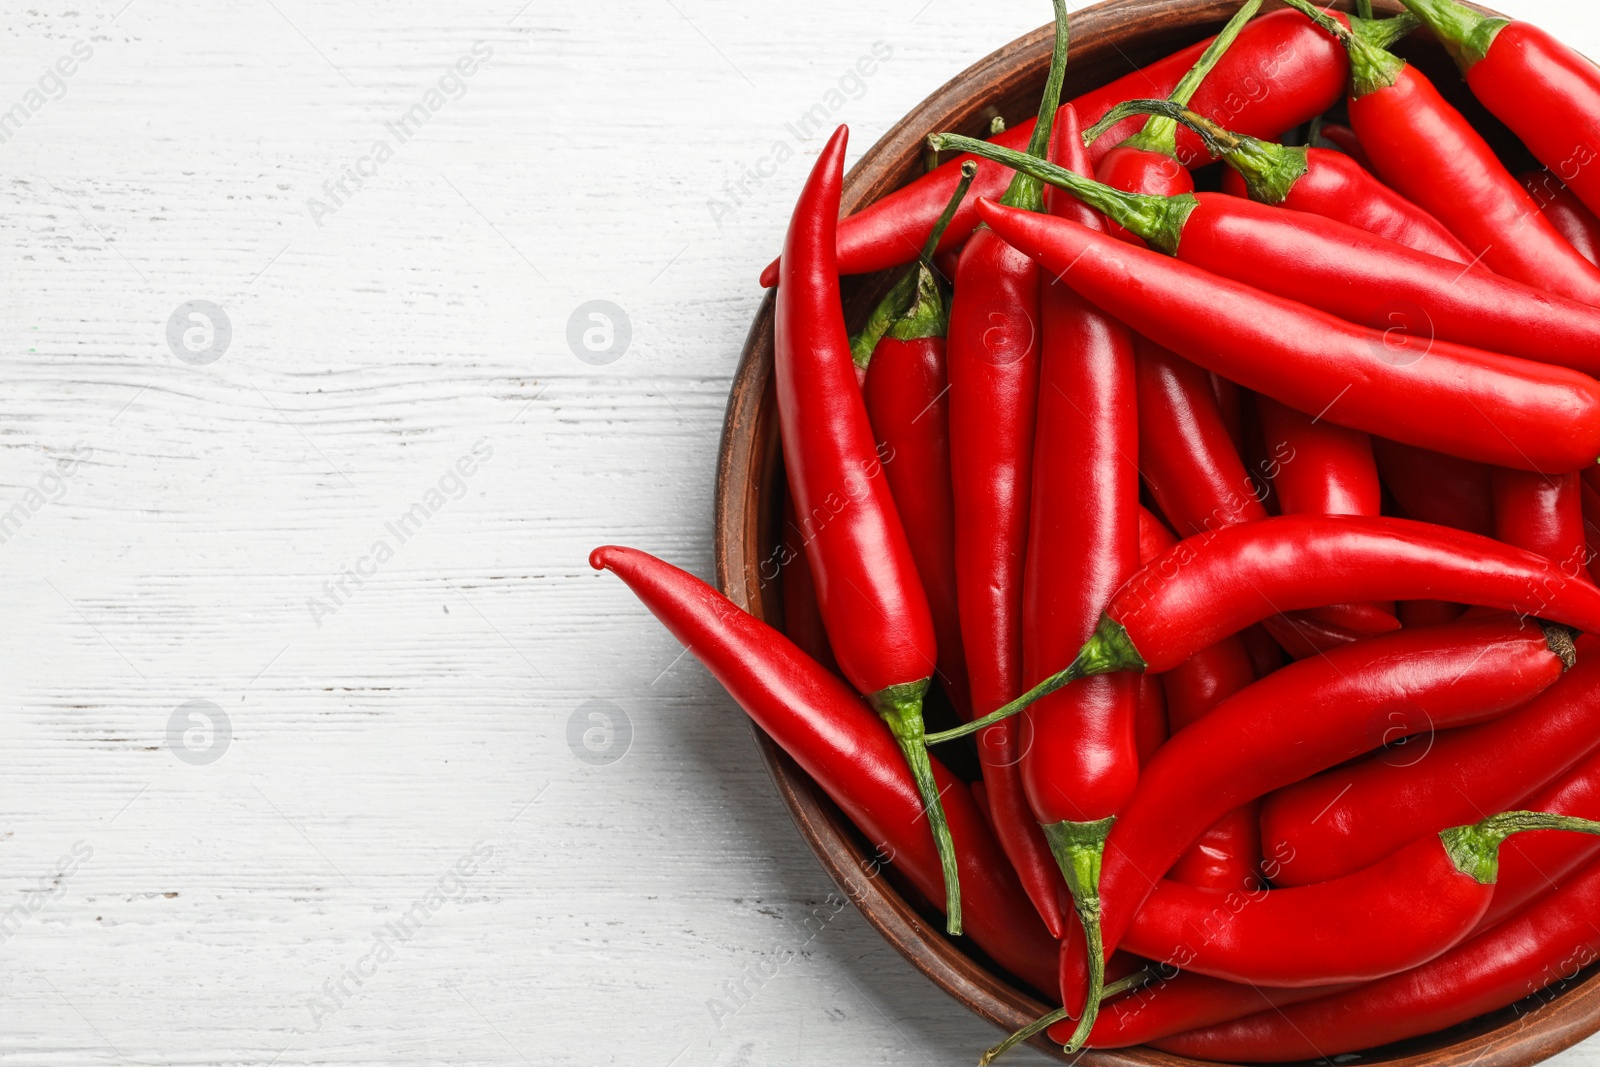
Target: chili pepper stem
{"points": [[1465, 34], [1269, 170], [1079, 849], [900, 707], [916, 296], [1371, 67], [1475, 849], [1025, 191], [1044, 1022], [1108, 649], [1157, 219], [1160, 134]]}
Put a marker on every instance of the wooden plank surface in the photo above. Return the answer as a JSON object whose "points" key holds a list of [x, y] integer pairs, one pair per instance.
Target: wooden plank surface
{"points": [[357, 535]]}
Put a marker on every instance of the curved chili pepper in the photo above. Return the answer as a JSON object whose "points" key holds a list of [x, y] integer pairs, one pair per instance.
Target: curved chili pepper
{"points": [[1432, 487], [1280, 73], [836, 739], [872, 601], [1345, 140], [1412, 297], [994, 381], [1302, 635], [1542, 513], [905, 391], [1547, 93], [1183, 1002], [1228, 855], [1459, 400], [1148, 161], [1565, 211], [1305, 718], [1543, 945], [1352, 817], [1380, 920], [1082, 544], [1429, 153], [1315, 181]]}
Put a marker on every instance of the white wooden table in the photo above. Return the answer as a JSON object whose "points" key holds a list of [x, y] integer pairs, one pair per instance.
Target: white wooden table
{"points": [[354, 530]]}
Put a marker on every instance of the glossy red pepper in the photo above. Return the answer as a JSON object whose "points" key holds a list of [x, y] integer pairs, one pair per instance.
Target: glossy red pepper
{"points": [[1302, 635], [1566, 212], [802, 619], [994, 354], [1183, 1002], [1305, 718], [1432, 487], [1542, 513], [1396, 914], [1227, 856], [1306, 73], [871, 598], [1316, 181], [1531, 865], [1545, 944], [1082, 544], [837, 740], [1439, 394], [1354, 816], [1545, 91], [1414, 299], [1149, 161], [1428, 152], [906, 391]]}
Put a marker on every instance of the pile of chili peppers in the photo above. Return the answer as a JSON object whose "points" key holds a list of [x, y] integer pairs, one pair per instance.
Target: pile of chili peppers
{"points": [[1225, 503]]}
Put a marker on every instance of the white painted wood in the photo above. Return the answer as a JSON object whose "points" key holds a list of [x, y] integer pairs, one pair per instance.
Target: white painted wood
{"points": [[172, 912]]}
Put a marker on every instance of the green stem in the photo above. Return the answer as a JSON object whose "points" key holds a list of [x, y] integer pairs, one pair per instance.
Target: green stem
{"points": [[1108, 649], [900, 707], [914, 307], [1079, 849], [1371, 68], [1384, 33], [1157, 219], [1025, 191], [1269, 170], [1465, 34], [1160, 134], [1475, 849], [1044, 1022], [997, 125], [1364, 8]]}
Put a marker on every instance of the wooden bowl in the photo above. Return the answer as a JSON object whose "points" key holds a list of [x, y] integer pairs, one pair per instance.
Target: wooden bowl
{"points": [[1106, 40]]}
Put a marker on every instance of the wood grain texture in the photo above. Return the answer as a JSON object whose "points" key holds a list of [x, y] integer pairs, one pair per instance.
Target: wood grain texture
{"points": [[219, 902]]}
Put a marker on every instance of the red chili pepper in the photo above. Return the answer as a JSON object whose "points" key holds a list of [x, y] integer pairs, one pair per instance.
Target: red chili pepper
{"points": [[993, 399], [1305, 718], [1412, 297], [1429, 153], [1229, 854], [1432, 487], [1460, 400], [1314, 181], [1354, 816], [1547, 93], [1543, 945], [1282, 72], [872, 601], [1380, 920], [1184, 1002], [905, 392], [802, 619], [1345, 140], [1532, 865], [1542, 513], [1302, 635], [1148, 161], [1083, 761], [1565, 211], [837, 740]]}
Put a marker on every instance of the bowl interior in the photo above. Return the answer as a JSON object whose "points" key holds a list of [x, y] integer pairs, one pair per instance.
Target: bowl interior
{"points": [[1108, 40]]}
